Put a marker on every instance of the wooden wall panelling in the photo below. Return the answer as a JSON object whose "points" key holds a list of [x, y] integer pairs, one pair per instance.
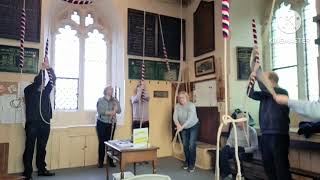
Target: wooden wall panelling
{"points": [[4, 154], [76, 151], [305, 160], [64, 157], [315, 159], [91, 150], [55, 148], [209, 123], [294, 158]]}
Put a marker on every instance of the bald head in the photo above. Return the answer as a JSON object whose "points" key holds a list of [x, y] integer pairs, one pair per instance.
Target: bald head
{"points": [[273, 77]]}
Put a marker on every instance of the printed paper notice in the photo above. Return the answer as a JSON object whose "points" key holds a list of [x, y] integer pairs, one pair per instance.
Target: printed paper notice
{"points": [[141, 137]]}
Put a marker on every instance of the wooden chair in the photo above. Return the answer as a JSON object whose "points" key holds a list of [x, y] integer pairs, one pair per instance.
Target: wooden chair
{"points": [[4, 154]]}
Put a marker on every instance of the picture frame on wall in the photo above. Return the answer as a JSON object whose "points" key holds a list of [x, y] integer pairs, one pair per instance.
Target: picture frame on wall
{"points": [[204, 66], [243, 62]]}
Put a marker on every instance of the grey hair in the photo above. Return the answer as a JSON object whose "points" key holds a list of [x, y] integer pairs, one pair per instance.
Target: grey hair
{"points": [[106, 89]]}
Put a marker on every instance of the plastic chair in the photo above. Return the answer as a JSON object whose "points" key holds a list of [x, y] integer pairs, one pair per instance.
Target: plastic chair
{"points": [[150, 177]]}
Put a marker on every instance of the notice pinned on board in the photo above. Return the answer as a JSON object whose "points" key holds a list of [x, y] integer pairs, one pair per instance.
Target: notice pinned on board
{"points": [[12, 108], [141, 137]]}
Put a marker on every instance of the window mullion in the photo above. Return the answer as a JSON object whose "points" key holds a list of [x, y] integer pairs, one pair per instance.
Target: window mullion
{"points": [[81, 74], [301, 59]]}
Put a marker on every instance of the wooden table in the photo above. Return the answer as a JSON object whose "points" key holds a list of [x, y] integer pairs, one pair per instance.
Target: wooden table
{"points": [[130, 155]]}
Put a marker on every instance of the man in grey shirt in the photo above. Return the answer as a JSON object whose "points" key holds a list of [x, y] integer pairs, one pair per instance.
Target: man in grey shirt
{"points": [[247, 145]]}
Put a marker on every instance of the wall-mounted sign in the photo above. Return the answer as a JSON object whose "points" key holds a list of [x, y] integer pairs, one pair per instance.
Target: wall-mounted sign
{"points": [[160, 94], [243, 62]]}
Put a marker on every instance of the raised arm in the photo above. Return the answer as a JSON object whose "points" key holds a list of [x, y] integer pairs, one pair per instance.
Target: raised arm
{"points": [[52, 80], [310, 109], [256, 95], [136, 98], [146, 95], [38, 79]]}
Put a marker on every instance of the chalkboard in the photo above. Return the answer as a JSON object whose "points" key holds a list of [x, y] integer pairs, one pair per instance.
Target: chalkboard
{"points": [[135, 69], [150, 36], [153, 39], [171, 28], [243, 62], [10, 13], [203, 27], [154, 70], [135, 32], [9, 59], [163, 73]]}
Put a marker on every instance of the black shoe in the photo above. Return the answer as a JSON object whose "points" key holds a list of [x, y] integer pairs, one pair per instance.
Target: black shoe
{"points": [[26, 177], [112, 164], [185, 166], [191, 169], [45, 173], [100, 165]]}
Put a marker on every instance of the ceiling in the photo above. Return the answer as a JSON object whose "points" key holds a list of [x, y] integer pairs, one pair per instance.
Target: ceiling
{"points": [[184, 2]]}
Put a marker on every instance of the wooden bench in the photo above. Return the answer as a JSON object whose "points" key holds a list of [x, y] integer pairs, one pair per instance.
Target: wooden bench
{"points": [[253, 169], [203, 160], [4, 154]]}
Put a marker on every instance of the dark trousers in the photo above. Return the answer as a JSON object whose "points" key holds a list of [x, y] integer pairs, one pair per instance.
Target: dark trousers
{"points": [[104, 134], [136, 124], [275, 150], [41, 134], [189, 138], [228, 153]]}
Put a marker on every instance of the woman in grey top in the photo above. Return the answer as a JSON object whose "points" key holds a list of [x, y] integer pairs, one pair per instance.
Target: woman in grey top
{"points": [[187, 122], [107, 108]]}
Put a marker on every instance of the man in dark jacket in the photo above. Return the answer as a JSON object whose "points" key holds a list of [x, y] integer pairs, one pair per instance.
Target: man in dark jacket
{"points": [[38, 121], [274, 125]]}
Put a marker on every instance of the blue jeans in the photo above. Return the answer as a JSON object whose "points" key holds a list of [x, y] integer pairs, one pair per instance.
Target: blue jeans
{"points": [[189, 138]]}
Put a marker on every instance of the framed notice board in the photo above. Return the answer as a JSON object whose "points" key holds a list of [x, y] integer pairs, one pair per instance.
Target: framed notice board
{"points": [[10, 13], [154, 70], [243, 62], [203, 27], [9, 59], [171, 28]]}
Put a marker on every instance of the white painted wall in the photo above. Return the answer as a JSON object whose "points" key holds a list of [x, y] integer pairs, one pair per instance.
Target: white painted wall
{"points": [[241, 14], [241, 35]]}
